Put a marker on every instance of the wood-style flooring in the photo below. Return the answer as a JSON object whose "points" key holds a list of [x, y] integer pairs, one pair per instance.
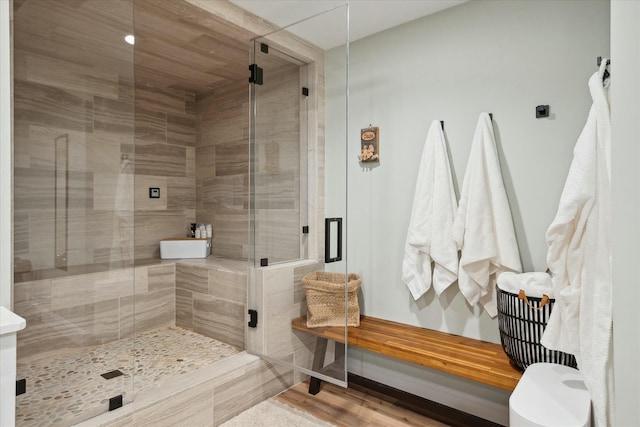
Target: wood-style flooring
{"points": [[361, 405], [352, 407]]}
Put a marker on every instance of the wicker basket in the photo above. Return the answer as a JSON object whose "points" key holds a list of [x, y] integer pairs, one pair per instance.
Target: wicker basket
{"points": [[522, 323], [326, 299]]}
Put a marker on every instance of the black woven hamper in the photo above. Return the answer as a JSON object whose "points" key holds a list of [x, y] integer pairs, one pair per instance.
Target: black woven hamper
{"points": [[521, 327]]}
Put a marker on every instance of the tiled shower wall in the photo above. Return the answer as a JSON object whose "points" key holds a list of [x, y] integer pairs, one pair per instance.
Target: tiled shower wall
{"points": [[201, 168], [223, 166], [95, 308], [97, 122], [206, 296], [165, 136], [212, 300], [99, 118]]}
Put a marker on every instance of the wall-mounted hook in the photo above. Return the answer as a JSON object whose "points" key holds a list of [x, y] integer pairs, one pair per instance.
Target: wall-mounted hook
{"points": [[442, 124], [491, 116], [606, 73], [542, 111]]}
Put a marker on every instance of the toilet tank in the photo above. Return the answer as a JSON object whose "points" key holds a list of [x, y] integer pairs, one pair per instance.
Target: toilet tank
{"points": [[185, 247]]}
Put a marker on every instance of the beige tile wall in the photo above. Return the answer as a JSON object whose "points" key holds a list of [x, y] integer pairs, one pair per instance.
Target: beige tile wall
{"points": [[223, 166], [109, 136], [278, 295], [91, 309], [92, 193], [63, 89], [199, 161], [212, 301], [165, 136]]}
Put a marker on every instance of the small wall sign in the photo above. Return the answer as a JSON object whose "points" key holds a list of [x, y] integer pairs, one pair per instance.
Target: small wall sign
{"points": [[369, 145]]}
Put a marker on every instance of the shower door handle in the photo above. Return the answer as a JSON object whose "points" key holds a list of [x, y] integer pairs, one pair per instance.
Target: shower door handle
{"points": [[332, 225]]}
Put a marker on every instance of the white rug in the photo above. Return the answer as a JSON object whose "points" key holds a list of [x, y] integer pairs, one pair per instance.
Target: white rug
{"points": [[273, 413]]}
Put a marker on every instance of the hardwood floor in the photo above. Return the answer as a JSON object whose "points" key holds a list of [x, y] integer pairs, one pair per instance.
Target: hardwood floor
{"points": [[352, 407], [366, 403]]}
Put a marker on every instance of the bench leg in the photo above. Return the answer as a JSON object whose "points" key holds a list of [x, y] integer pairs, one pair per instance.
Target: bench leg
{"points": [[318, 363], [339, 351]]}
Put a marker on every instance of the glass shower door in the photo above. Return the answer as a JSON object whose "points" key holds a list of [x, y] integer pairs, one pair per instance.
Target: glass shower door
{"points": [[73, 208], [290, 204]]}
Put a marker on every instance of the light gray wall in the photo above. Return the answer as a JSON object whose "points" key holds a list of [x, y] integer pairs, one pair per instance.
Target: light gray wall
{"points": [[503, 57], [625, 157], [495, 56]]}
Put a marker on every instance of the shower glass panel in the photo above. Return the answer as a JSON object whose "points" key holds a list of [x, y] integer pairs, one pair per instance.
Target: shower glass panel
{"points": [[278, 157], [73, 207], [289, 174]]}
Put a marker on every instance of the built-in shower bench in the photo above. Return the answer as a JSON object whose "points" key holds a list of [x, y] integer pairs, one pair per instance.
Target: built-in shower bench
{"points": [[473, 359]]}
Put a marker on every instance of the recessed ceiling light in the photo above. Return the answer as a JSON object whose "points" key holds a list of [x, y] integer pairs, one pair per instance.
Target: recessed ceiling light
{"points": [[129, 38]]}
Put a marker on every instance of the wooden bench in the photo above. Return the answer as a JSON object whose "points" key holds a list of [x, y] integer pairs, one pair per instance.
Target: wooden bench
{"points": [[473, 359]]}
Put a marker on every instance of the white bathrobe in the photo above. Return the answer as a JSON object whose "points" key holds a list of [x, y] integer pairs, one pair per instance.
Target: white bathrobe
{"points": [[579, 258], [483, 228], [429, 234]]}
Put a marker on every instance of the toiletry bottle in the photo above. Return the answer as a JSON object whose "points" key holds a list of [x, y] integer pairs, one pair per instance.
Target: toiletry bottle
{"points": [[197, 234], [203, 231], [209, 231]]}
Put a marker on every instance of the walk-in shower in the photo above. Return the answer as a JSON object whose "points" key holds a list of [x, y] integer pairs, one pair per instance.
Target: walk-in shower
{"points": [[98, 122]]}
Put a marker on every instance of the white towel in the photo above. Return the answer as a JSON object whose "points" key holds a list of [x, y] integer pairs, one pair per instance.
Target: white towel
{"points": [[533, 284], [483, 228], [579, 258], [429, 234]]}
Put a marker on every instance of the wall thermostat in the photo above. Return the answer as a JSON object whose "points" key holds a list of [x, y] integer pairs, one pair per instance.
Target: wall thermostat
{"points": [[154, 193]]}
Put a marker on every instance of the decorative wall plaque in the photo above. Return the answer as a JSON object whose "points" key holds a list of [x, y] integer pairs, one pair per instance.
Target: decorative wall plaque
{"points": [[369, 145]]}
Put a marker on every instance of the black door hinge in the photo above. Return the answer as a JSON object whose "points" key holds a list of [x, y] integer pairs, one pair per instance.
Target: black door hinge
{"points": [[305, 229], [264, 48], [305, 91], [253, 318], [21, 386], [256, 74]]}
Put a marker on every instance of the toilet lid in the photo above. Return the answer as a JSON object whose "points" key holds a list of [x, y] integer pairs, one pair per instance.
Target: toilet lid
{"points": [[549, 394]]}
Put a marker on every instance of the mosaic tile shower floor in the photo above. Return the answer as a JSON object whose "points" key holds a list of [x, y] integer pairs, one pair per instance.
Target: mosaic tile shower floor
{"points": [[65, 387]]}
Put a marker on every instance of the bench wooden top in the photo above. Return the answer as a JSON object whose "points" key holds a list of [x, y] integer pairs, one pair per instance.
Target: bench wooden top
{"points": [[476, 360]]}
